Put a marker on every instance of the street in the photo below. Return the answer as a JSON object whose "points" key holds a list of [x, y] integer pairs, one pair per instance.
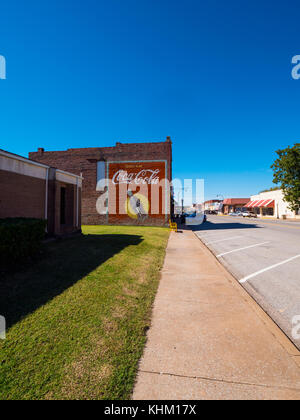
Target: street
{"points": [[264, 256]]}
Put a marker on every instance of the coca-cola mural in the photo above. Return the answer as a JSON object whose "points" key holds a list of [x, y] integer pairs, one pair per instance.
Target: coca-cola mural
{"points": [[137, 190], [144, 176]]}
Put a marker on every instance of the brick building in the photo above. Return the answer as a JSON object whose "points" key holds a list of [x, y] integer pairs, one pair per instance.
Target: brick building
{"points": [[34, 190], [132, 166], [231, 205]]}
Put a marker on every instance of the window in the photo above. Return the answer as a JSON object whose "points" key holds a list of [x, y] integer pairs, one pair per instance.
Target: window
{"points": [[100, 175], [269, 211]]}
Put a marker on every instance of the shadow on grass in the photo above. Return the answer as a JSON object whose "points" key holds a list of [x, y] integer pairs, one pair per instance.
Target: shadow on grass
{"points": [[62, 265]]}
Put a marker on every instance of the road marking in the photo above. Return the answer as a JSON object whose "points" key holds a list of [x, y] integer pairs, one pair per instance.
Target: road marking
{"points": [[221, 240], [209, 237], [267, 269], [241, 249]]}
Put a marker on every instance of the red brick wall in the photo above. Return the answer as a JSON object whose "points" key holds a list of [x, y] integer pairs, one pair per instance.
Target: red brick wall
{"points": [[21, 196], [85, 161], [24, 196]]}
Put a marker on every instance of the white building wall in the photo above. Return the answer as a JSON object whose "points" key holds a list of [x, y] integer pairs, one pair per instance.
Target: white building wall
{"points": [[281, 207], [12, 163]]}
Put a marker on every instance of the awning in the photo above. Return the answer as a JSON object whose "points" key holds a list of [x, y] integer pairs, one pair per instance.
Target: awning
{"points": [[248, 204], [251, 204], [260, 203], [268, 203]]}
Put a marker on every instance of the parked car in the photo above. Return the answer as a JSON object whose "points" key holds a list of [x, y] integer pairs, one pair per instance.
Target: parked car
{"points": [[235, 213], [249, 214], [190, 214], [198, 219]]}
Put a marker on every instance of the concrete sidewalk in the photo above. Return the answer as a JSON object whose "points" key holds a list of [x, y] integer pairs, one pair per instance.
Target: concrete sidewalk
{"points": [[209, 339]]}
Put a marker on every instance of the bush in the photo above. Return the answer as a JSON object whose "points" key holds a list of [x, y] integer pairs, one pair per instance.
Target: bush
{"points": [[20, 239]]}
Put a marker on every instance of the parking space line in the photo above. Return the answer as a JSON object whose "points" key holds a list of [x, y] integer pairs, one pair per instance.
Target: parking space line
{"points": [[221, 240], [241, 249], [245, 279], [205, 237]]}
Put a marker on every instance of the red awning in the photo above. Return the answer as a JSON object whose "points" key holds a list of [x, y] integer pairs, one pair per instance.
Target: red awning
{"points": [[267, 203], [248, 204], [251, 204], [260, 203]]}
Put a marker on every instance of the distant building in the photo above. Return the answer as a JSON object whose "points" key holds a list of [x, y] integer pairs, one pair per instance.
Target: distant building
{"points": [[185, 209], [127, 168], [34, 190], [198, 207], [177, 209], [270, 204], [212, 205], [231, 205]]}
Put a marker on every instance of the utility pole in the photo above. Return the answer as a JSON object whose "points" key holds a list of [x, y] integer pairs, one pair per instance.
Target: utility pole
{"points": [[182, 204]]}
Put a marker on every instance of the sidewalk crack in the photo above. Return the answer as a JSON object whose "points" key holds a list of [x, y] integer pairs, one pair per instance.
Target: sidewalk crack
{"points": [[226, 381]]}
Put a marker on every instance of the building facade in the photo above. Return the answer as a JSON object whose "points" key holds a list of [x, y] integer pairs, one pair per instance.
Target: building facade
{"points": [[125, 184], [231, 205], [212, 205], [34, 190], [271, 204]]}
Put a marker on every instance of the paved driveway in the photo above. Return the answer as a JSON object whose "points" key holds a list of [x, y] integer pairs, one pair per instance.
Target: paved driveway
{"points": [[264, 256]]}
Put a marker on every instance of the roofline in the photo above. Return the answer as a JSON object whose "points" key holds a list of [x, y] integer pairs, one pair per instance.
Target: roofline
{"points": [[22, 159], [68, 173], [34, 163], [118, 144]]}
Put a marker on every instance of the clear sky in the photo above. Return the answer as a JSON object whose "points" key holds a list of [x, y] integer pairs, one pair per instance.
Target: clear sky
{"points": [[214, 75]]}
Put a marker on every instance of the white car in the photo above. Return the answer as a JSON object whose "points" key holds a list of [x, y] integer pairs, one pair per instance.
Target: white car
{"points": [[195, 220], [248, 214]]}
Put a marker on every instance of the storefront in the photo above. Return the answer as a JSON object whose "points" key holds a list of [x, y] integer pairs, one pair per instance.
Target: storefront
{"points": [[270, 204], [262, 207], [231, 205]]}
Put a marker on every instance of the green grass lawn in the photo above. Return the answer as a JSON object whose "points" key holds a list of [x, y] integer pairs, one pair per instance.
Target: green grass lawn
{"points": [[77, 318]]}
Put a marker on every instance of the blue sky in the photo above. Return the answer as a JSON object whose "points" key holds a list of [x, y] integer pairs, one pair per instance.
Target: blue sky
{"points": [[214, 75]]}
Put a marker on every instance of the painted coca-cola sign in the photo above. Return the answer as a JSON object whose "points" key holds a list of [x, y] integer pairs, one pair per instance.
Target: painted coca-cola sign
{"points": [[136, 186], [144, 176]]}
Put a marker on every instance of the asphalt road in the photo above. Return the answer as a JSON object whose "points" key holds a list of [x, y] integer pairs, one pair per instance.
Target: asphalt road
{"points": [[264, 256]]}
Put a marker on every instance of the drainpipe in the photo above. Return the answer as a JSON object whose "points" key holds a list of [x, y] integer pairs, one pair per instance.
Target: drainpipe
{"points": [[46, 197], [77, 203]]}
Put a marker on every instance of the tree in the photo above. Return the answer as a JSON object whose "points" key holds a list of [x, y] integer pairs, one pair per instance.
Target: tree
{"points": [[286, 170]]}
